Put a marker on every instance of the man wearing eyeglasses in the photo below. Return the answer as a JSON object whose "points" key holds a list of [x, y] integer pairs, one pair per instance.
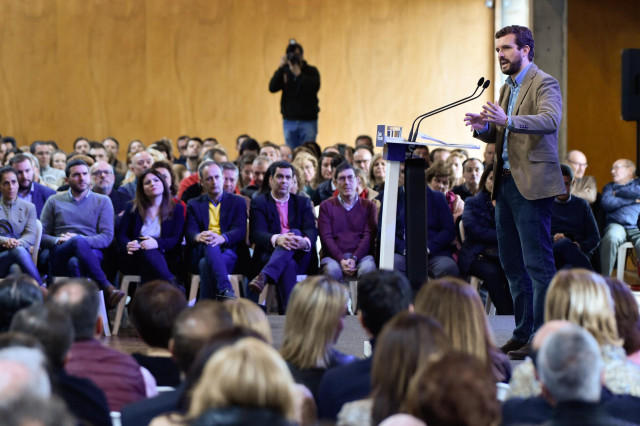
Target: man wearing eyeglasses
{"points": [[583, 186], [347, 225], [102, 182], [621, 202]]}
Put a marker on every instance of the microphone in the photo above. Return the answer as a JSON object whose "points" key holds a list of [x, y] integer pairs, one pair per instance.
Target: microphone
{"points": [[411, 138], [451, 105]]}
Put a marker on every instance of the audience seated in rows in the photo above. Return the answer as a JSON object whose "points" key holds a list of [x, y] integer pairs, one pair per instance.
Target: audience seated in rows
{"points": [[381, 295], [570, 369], [118, 375], [584, 299], [53, 328]]}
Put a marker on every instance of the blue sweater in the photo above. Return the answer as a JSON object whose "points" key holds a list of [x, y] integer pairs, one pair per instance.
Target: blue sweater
{"points": [[619, 201], [91, 217], [575, 220]]}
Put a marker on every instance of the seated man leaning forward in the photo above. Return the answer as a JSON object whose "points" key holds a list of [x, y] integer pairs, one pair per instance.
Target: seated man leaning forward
{"points": [[347, 228], [76, 226], [621, 202], [216, 224], [283, 228]]}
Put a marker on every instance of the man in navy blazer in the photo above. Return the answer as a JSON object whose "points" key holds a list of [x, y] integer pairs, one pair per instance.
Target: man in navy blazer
{"points": [[216, 224], [29, 190], [283, 228]]}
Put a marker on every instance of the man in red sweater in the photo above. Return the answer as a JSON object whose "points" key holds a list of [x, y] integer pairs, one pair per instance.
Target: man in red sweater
{"points": [[347, 225]]}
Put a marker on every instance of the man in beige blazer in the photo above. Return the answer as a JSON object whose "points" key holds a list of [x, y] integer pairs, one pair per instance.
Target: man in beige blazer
{"points": [[524, 125]]}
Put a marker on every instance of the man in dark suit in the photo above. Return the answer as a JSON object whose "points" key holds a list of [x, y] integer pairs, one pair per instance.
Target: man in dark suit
{"points": [[524, 125], [283, 228], [216, 225], [381, 295], [29, 190]]}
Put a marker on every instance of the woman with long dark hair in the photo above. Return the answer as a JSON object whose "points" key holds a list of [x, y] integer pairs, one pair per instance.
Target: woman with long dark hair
{"points": [[150, 230]]}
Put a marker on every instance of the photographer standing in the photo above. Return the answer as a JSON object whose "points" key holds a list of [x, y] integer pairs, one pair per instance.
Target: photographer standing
{"points": [[299, 83]]}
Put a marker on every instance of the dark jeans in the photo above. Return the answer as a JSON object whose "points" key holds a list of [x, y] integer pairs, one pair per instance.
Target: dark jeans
{"points": [[296, 132], [75, 258], [214, 265], [526, 254], [149, 264], [567, 255], [20, 256], [284, 265], [494, 280]]}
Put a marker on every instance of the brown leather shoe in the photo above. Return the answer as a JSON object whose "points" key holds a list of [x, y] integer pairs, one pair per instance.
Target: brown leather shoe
{"points": [[511, 345], [257, 284], [113, 296], [521, 353]]}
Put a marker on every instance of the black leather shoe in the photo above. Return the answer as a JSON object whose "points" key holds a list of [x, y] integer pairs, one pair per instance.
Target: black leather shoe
{"points": [[257, 284], [113, 297], [226, 295], [521, 353], [511, 345]]}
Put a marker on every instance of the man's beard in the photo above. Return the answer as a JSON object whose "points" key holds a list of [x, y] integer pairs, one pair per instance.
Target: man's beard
{"points": [[514, 67], [24, 187]]}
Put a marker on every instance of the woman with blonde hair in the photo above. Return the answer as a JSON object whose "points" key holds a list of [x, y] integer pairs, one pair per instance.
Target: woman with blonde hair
{"points": [[307, 164], [314, 321], [583, 298], [247, 382], [458, 308], [377, 171], [245, 313]]}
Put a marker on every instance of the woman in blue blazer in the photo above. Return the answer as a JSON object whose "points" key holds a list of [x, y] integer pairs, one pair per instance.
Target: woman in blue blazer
{"points": [[150, 231]]}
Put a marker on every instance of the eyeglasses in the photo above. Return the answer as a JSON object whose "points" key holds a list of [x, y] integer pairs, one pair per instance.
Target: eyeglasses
{"points": [[98, 173], [349, 178], [618, 166]]}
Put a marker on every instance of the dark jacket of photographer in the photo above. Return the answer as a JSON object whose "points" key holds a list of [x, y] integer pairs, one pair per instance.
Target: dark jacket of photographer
{"points": [[299, 94]]}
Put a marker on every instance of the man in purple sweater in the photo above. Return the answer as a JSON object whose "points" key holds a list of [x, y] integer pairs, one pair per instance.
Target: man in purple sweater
{"points": [[347, 225]]}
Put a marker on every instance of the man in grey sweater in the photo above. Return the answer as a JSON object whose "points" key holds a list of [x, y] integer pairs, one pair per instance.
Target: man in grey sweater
{"points": [[76, 226]]}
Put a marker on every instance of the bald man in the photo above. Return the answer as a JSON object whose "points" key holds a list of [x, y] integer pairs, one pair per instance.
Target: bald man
{"points": [[139, 163], [621, 202], [583, 186]]}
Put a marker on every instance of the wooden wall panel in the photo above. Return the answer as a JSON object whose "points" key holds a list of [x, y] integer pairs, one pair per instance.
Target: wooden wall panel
{"points": [[152, 68], [598, 31]]}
